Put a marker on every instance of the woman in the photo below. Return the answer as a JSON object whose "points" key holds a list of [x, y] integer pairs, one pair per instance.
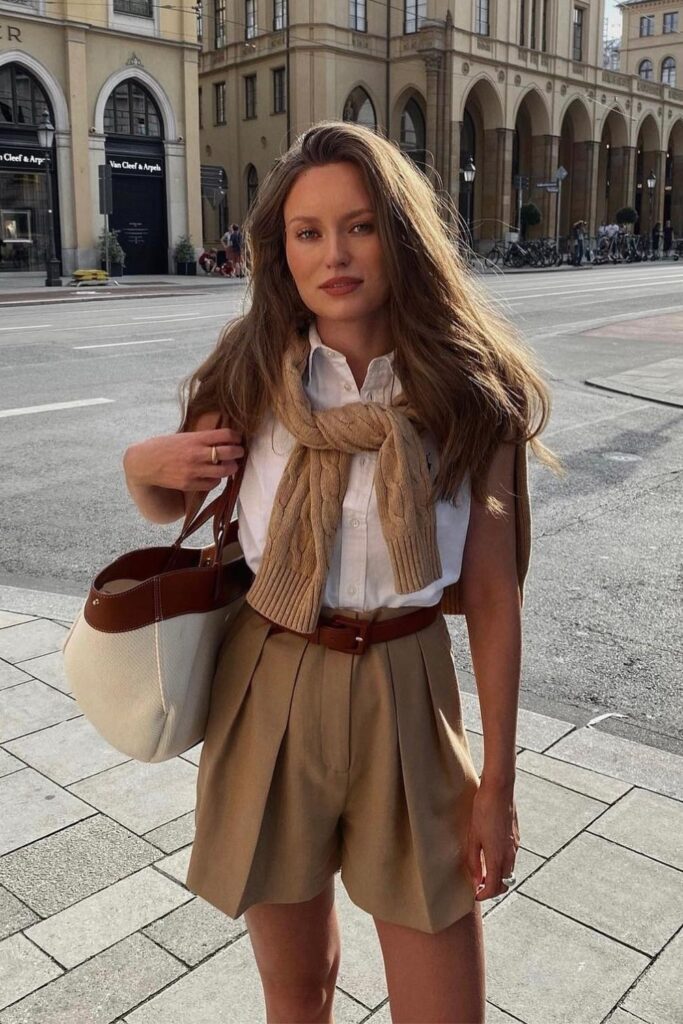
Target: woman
{"points": [[386, 420]]}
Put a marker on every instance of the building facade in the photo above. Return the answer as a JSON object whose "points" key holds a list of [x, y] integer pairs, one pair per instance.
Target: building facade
{"points": [[517, 86], [118, 81]]}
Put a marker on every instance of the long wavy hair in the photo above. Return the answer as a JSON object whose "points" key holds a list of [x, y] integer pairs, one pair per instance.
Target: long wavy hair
{"points": [[462, 365]]}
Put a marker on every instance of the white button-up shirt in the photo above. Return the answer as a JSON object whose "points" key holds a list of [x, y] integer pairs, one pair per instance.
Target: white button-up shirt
{"points": [[360, 575]]}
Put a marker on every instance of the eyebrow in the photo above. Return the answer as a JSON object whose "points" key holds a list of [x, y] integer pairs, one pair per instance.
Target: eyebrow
{"points": [[347, 216]]}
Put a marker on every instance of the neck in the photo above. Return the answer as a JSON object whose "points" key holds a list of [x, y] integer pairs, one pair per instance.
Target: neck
{"points": [[360, 340]]}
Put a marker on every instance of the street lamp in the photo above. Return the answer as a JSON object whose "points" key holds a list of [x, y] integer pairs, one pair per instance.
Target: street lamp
{"points": [[651, 182], [468, 173], [46, 135]]}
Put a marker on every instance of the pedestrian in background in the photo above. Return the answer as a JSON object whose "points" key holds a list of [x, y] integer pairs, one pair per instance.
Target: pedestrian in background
{"points": [[578, 234], [668, 237], [232, 241], [656, 235], [387, 408]]}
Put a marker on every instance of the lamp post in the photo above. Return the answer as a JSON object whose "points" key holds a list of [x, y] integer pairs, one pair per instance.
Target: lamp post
{"points": [[46, 135], [468, 173], [651, 182]]}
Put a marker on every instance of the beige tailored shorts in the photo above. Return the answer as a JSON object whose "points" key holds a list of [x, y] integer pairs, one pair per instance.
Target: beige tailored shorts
{"points": [[316, 761]]}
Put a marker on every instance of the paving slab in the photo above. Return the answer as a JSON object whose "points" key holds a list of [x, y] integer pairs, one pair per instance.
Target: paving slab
{"points": [[98, 991], [623, 759], [23, 968], [194, 753], [658, 996], [49, 668], [32, 807], [660, 381], [142, 796], [526, 863], [174, 834], [31, 706], [9, 764], [55, 872], [38, 602], [100, 920], [361, 971], [544, 968], [581, 780], [177, 864], [225, 988], [550, 815], [534, 731], [67, 752], [629, 822], [195, 931], [12, 619], [631, 898], [10, 675], [30, 639], [14, 915]]}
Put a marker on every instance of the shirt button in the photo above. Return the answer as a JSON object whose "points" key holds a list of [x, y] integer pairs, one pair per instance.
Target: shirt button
{"points": [[363, 460], [350, 590], [348, 387], [355, 522]]}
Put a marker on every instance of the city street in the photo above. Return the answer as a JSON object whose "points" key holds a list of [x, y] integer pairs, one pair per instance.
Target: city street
{"points": [[80, 382]]}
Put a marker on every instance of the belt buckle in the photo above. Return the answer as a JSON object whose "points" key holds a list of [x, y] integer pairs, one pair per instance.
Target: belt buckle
{"points": [[358, 643]]}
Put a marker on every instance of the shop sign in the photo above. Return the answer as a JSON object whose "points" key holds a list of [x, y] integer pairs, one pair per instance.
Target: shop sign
{"points": [[21, 159], [149, 166], [11, 33]]}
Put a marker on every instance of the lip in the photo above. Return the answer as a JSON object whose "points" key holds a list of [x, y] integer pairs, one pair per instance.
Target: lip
{"points": [[339, 281]]}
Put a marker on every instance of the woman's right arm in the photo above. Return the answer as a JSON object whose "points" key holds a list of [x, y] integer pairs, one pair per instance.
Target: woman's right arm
{"points": [[163, 472]]}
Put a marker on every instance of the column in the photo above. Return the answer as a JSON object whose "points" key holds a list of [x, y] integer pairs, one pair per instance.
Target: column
{"points": [[544, 162], [623, 178], [495, 183], [433, 62], [677, 195], [192, 148], [79, 230]]}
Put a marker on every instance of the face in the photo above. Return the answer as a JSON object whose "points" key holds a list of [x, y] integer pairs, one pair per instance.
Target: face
{"points": [[330, 232]]}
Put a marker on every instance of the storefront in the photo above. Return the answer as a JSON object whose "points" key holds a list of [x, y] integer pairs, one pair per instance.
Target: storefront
{"points": [[135, 152], [24, 192]]}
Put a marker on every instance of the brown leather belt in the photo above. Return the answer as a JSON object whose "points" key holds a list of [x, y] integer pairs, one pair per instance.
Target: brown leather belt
{"points": [[352, 636]]}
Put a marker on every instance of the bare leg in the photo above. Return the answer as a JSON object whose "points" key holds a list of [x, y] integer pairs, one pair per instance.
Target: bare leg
{"points": [[435, 979], [298, 949]]}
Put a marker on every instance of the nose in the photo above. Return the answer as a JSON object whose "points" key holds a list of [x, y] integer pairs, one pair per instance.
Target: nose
{"points": [[336, 251]]}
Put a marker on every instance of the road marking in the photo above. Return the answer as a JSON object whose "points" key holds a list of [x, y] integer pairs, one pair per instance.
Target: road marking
{"points": [[117, 344], [605, 321], [28, 409], [578, 291], [26, 327], [205, 316]]}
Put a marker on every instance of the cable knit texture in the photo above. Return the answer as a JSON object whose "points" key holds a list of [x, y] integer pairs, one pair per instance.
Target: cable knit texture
{"points": [[289, 584]]}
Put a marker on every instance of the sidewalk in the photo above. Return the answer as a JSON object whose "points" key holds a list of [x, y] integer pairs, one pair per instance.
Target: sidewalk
{"points": [[31, 290], [96, 925]]}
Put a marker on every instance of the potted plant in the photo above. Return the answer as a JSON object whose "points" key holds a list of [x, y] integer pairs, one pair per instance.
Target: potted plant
{"points": [[185, 256], [529, 215], [627, 215], [117, 257]]}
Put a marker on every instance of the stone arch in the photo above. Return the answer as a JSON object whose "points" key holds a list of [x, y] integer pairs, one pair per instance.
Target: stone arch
{"points": [[531, 155], [673, 195], [359, 101], [157, 91], [577, 154], [48, 82], [483, 90], [613, 164], [481, 137], [539, 114], [647, 159], [411, 102]]}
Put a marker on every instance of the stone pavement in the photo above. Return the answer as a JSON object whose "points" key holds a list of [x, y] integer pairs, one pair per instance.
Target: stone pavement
{"points": [[96, 925]]}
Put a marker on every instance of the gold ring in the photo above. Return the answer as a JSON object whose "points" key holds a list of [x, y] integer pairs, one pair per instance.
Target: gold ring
{"points": [[214, 455]]}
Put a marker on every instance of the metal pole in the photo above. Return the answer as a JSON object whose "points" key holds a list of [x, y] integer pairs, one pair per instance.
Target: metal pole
{"points": [[107, 255], [557, 214], [53, 278]]}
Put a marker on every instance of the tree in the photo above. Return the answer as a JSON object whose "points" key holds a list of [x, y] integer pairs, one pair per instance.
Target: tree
{"points": [[529, 215]]}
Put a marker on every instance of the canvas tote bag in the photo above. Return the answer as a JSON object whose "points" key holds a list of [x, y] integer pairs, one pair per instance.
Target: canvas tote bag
{"points": [[141, 654]]}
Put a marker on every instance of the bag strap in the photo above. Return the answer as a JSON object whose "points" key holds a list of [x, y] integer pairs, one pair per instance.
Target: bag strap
{"points": [[220, 509]]}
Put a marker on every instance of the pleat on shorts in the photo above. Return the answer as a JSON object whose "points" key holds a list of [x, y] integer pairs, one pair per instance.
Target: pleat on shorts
{"points": [[316, 761]]}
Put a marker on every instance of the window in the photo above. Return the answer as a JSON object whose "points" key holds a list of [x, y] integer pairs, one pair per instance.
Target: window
{"points": [[359, 108], [279, 94], [358, 15], [412, 137], [252, 184], [671, 22], [219, 102], [481, 18], [532, 38], [200, 106], [200, 22], [219, 24], [279, 15], [22, 100], [577, 37], [544, 26], [669, 71], [131, 110], [522, 22], [645, 69], [647, 25], [140, 8], [250, 95], [250, 19], [414, 14]]}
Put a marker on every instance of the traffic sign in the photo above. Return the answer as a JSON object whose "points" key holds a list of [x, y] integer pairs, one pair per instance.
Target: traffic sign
{"points": [[561, 173]]}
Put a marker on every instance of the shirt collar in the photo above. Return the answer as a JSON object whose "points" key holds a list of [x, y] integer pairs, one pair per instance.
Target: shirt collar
{"points": [[317, 345]]}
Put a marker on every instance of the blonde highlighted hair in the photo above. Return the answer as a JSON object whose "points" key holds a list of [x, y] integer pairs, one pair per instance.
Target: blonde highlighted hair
{"points": [[464, 367]]}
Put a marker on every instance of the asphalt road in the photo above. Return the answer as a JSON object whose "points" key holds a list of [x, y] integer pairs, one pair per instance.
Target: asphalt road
{"points": [[602, 632]]}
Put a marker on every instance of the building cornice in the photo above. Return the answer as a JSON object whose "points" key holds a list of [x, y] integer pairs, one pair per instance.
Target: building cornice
{"points": [[130, 37]]}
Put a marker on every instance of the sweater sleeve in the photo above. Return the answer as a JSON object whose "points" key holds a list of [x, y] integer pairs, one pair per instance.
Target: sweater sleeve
{"points": [[451, 602]]}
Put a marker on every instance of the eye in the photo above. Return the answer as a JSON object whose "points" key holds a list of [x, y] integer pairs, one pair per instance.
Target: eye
{"points": [[307, 231]]}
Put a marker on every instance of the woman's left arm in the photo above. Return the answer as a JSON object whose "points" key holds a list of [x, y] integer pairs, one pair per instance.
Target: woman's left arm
{"points": [[491, 604]]}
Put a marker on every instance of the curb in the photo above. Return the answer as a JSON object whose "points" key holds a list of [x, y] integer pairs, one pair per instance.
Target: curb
{"points": [[30, 298]]}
